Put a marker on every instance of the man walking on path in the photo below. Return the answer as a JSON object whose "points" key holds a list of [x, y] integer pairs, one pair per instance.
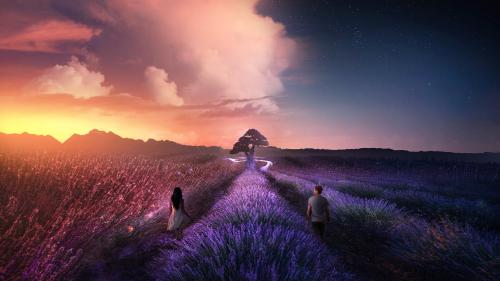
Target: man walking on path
{"points": [[317, 211]]}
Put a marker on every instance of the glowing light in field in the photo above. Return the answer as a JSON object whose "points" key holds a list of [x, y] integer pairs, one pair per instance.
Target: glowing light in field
{"points": [[243, 159]]}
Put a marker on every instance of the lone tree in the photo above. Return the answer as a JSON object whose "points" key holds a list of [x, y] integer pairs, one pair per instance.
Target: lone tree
{"points": [[247, 144]]}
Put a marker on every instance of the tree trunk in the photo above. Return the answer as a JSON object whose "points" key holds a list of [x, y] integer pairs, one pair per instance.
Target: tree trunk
{"points": [[250, 158]]}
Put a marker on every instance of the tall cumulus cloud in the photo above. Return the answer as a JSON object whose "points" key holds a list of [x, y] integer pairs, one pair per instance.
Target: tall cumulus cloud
{"points": [[212, 50], [73, 78], [164, 91]]}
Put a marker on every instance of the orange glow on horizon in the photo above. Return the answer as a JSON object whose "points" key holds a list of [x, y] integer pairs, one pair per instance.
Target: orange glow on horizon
{"points": [[61, 122], [61, 128]]}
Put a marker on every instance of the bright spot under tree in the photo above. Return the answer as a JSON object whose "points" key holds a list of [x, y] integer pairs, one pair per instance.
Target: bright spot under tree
{"points": [[247, 144]]}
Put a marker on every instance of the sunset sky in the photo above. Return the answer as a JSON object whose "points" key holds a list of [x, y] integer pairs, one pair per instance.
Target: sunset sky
{"points": [[413, 75]]}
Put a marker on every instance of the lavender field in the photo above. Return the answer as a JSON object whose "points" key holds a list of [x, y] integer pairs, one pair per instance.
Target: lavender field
{"points": [[61, 211], [405, 223], [83, 217]]}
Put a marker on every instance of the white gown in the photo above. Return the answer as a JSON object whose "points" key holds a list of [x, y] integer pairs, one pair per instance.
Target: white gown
{"points": [[178, 217]]}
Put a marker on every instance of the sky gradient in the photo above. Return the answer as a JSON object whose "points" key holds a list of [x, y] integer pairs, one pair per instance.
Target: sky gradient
{"points": [[413, 75]]}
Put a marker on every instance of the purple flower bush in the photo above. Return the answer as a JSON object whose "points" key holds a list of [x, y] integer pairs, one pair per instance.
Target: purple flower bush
{"points": [[475, 212], [445, 251], [431, 205], [251, 234]]}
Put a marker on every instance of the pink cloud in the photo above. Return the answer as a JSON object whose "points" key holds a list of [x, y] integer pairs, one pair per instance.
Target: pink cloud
{"points": [[164, 91], [211, 50], [45, 36], [73, 78]]}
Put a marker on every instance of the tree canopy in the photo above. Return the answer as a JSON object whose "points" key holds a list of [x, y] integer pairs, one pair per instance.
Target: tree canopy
{"points": [[248, 141]]}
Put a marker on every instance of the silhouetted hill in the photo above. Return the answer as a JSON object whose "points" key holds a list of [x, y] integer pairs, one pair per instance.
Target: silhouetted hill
{"points": [[98, 142], [27, 142]]}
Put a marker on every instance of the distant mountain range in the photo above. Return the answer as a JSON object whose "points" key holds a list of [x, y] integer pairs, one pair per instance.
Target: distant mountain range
{"points": [[97, 141]]}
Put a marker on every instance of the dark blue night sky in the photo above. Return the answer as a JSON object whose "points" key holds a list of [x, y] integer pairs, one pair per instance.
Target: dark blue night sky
{"points": [[417, 68]]}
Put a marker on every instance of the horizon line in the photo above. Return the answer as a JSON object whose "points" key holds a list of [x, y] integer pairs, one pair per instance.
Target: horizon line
{"points": [[302, 148]]}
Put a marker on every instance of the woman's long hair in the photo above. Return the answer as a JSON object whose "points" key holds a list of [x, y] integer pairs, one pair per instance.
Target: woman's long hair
{"points": [[177, 197]]}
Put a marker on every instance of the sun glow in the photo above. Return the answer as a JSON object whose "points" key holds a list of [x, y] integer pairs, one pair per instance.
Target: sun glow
{"points": [[61, 126], [58, 127]]}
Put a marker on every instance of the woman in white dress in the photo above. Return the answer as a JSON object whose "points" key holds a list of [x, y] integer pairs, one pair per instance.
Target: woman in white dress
{"points": [[178, 215]]}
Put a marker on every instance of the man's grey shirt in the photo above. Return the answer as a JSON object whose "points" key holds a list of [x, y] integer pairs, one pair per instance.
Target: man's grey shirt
{"points": [[319, 208]]}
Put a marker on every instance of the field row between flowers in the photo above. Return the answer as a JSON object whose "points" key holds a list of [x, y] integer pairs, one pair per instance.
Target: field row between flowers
{"points": [[250, 234], [426, 200], [386, 242]]}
